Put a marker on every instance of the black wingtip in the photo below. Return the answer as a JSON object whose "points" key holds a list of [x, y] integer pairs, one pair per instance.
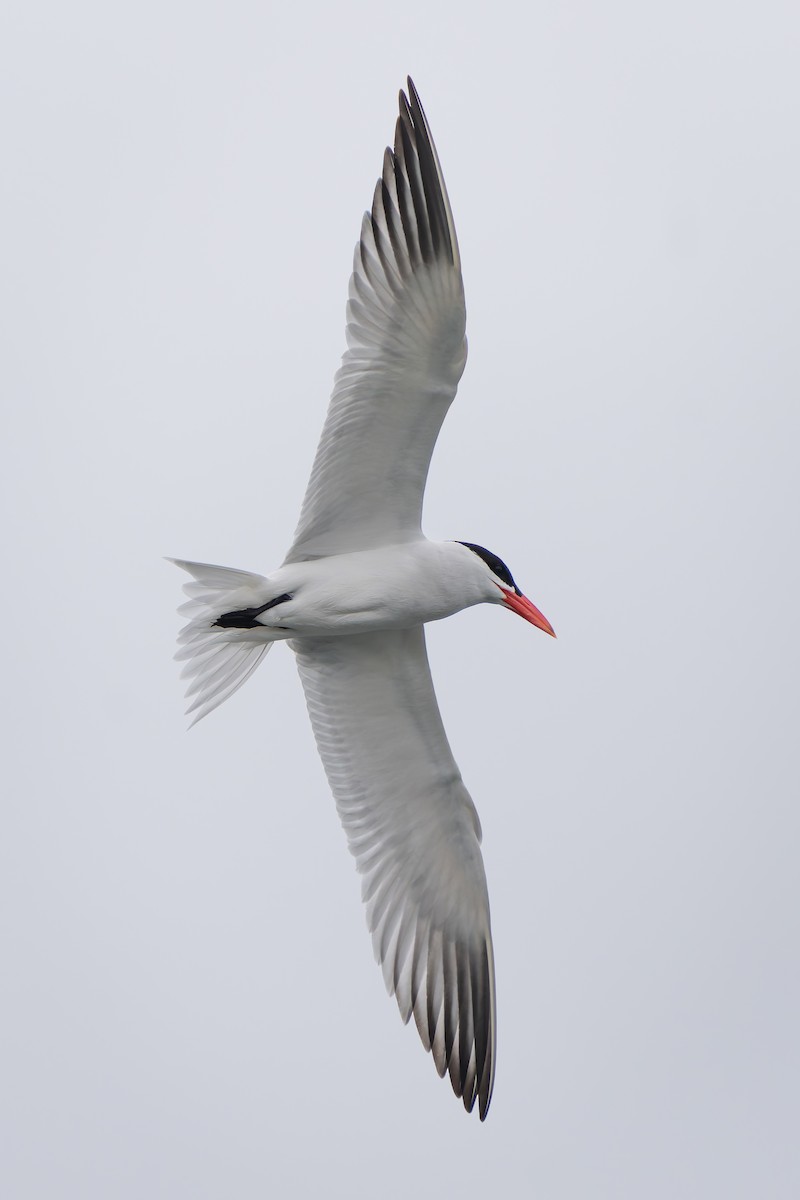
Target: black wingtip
{"points": [[414, 101], [410, 102]]}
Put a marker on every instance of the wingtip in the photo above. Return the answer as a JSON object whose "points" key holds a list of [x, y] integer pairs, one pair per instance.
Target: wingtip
{"points": [[404, 104], [411, 104], [415, 104], [182, 563]]}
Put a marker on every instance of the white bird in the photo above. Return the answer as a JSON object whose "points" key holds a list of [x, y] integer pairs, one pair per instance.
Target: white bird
{"points": [[352, 597]]}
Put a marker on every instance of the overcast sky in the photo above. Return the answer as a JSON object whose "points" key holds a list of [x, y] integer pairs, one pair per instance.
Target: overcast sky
{"points": [[189, 1005]]}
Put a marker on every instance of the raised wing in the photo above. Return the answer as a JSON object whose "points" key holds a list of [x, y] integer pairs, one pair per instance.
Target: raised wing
{"points": [[415, 835], [405, 332]]}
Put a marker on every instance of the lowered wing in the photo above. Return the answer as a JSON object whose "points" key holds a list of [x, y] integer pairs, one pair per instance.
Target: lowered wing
{"points": [[415, 835]]}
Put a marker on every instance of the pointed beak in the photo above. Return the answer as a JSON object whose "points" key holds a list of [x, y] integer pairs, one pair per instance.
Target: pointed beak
{"points": [[523, 607]]}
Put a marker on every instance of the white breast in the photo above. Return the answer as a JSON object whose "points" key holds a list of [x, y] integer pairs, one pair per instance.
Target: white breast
{"points": [[394, 587]]}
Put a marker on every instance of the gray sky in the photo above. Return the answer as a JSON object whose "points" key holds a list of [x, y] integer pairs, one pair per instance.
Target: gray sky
{"points": [[190, 1006]]}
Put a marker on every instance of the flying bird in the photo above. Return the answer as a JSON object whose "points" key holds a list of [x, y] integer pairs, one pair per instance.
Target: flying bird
{"points": [[352, 598]]}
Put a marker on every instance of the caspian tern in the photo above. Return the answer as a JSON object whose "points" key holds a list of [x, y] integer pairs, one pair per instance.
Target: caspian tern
{"points": [[352, 597]]}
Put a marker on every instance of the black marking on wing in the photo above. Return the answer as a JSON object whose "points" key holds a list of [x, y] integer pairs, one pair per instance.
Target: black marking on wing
{"points": [[494, 564], [246, 618], [413, 150], [419, 227]]}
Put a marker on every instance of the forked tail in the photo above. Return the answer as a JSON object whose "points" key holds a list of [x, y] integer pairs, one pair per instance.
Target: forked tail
{"points": [[219, 657]]}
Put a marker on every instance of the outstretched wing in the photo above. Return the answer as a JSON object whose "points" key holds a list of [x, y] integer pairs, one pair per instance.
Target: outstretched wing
{"points": [[415, 835], [405, 332]]}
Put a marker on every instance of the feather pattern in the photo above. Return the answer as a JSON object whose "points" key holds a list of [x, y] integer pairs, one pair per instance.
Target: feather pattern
{"points": [[406, 352], [217, 661], [414, 832]]}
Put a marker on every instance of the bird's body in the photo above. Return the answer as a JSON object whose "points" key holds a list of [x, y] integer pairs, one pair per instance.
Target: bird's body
{"points": [[352, 597], [392, 587]]}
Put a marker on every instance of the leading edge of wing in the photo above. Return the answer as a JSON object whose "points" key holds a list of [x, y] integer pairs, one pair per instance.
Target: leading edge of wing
{"points": [[414, 832], [406, 352]]}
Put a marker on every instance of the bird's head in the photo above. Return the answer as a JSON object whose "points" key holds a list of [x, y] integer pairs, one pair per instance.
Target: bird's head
{"points": [[501, 588]]}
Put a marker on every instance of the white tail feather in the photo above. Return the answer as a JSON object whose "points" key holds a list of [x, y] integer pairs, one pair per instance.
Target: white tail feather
{"points": [[218, 661]]}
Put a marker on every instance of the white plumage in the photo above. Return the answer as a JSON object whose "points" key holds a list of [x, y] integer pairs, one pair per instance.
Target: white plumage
{"points": [[352, 597]]}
